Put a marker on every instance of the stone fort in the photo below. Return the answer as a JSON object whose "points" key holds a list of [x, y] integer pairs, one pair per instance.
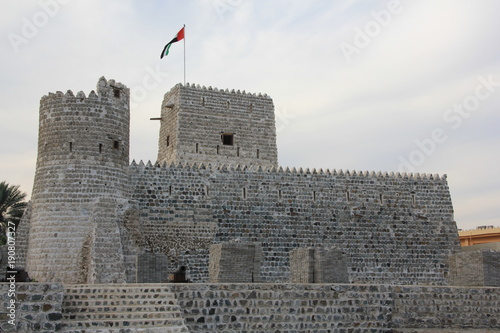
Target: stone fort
{"points": [[95, 218], [217, 203]]}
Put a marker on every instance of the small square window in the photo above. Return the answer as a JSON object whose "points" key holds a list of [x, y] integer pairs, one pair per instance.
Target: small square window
{"points": [[116, 93], [227, 139], [116, 145]]}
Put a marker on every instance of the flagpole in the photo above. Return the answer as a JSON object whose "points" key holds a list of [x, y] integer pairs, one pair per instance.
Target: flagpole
{"points": [[184, 54]]}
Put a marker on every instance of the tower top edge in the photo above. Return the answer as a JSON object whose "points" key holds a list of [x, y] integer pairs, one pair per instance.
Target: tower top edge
{"points": [[103, 88], [202, 88]]}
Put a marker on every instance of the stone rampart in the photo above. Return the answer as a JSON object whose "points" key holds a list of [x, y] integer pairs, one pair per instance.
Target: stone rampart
{"points": [[393, 228], [335, 307], [283, 308]]}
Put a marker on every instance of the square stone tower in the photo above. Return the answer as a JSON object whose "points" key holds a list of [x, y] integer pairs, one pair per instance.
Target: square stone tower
{"points": [[208, 125]]}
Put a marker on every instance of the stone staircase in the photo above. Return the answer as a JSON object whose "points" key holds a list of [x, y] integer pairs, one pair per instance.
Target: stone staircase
{"points": [[121, 308]]}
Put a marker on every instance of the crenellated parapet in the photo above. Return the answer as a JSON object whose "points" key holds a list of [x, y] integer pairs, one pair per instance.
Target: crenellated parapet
{"points": [[215, 89], [287, 170], [108, 91]]}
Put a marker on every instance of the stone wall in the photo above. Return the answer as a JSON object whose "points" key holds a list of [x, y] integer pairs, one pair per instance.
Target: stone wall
{"points": [[318, 265], [335, 307], [38, 307], [275, 307], [475, 268], [235, 263], [152, 268], [284, 307], [392, 228], [194, 119], [330, 266], [302, 265], [446, 307]]}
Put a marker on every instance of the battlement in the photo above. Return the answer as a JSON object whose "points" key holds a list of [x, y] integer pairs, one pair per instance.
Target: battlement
{"points": [[215, 89], [107, 91], [286, 170]]}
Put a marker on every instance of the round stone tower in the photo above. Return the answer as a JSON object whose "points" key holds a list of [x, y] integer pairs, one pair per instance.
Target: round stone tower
{"points": [[81, 179]]}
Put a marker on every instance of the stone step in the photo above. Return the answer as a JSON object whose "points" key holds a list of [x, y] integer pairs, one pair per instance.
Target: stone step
{"points": [[121, 308], [123, 323], [116, 291], [102, 288], [73, 309], [172, 329], [118, 301], [122, 315], [120, 296], [96, 305]]}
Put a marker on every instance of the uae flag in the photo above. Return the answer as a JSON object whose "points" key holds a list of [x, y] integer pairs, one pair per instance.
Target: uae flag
{"points": [[178, 37]]}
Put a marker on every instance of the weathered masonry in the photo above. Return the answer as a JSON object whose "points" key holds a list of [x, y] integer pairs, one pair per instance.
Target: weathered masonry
{"points": [[95, 218], [216, 126]]}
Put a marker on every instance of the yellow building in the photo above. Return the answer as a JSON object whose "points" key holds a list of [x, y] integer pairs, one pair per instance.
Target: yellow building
{"points": [[481, 235]]}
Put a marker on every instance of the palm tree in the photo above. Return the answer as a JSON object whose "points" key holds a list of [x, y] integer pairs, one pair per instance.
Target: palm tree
{"points": [[12, 206]]}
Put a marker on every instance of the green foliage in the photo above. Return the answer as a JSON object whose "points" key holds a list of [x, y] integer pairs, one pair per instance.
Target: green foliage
{"points": [[12, 206]]}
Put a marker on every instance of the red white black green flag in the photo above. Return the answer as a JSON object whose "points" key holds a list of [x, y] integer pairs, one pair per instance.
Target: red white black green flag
{"points": [[178, 37]]}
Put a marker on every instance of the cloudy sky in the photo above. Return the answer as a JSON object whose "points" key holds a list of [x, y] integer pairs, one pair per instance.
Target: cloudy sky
{"points": [[359, 85]]}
